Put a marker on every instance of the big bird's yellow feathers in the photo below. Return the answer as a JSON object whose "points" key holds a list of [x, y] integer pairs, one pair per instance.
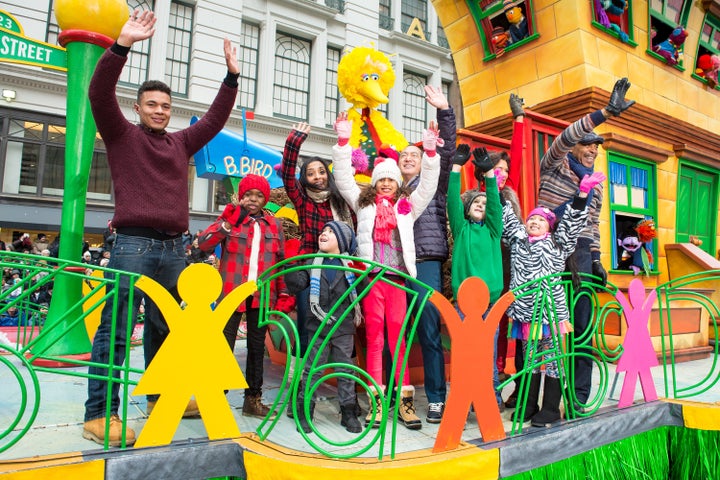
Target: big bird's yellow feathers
{"points": [[365, 77]]}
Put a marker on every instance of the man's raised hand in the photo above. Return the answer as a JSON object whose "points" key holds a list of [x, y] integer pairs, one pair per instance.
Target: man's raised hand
{"points": [[140, 26]]}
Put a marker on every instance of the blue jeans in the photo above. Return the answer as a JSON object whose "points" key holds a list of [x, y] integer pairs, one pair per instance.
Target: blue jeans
{"points": [[161, 260], [428, 332]]}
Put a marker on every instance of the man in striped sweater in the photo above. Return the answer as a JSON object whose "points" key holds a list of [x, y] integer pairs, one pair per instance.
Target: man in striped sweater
{"points": [[570, 157]]}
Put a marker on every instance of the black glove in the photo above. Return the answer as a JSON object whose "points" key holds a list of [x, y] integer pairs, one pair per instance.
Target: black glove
{"points": [[617, 103], [462, 155], [599, 271], [482, 161], [516, 105]]}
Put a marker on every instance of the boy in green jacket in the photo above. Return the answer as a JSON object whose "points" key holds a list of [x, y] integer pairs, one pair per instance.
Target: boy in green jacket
{"points": [[476, 224]]}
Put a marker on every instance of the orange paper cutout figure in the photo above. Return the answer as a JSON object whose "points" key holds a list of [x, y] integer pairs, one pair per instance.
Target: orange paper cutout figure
{"points": [[195, 358], [471, 363], [638, 352]]}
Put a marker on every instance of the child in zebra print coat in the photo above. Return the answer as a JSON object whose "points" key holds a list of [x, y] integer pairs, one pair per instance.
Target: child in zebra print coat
{"points": [[536, 251]]}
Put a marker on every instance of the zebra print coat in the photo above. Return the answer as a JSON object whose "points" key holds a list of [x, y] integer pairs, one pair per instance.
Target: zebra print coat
{"points": [[531, 261]]}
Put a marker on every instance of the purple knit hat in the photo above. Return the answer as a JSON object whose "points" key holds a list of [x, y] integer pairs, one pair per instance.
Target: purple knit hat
{"points": [[544, 212]]}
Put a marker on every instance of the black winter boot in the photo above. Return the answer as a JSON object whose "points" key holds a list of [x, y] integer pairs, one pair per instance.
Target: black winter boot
{"points": [[349, 419], [531, 406], [303, 422], [550, 412]]}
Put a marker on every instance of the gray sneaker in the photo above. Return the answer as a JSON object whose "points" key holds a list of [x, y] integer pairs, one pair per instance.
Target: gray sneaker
{"points": [[435, 412]]}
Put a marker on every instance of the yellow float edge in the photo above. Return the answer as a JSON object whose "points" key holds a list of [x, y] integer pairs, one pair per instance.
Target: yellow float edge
{"points": [[699, 415], [53, 467], [265, 461]]}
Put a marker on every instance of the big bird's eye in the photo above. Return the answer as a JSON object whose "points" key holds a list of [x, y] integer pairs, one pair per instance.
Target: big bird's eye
{"points": [[365, 77], [375, 76]]}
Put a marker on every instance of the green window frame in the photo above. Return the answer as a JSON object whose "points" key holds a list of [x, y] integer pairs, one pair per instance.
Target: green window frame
{"points": [[489, 14], [697, 189], [708, 43], [624, 23], [632, 191], [663, 17]]}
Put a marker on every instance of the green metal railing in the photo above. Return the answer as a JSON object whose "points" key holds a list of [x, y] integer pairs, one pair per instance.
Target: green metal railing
{"points": [[593, 344]]}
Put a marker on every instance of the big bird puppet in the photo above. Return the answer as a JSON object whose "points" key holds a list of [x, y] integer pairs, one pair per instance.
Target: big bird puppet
{"points": [[365, 77]]}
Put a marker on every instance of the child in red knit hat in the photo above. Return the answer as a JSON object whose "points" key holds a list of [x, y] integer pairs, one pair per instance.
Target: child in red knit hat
{"points": [[252, 241]]}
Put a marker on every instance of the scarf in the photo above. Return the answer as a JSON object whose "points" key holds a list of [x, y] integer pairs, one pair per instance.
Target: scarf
{"points": [[318, 196], [385, 221], [538, 238], [580, 170], [343, 214], [315, 308]]}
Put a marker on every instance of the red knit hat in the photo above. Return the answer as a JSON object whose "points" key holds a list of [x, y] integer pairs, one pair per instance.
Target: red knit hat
{"points": [[252, 181]]}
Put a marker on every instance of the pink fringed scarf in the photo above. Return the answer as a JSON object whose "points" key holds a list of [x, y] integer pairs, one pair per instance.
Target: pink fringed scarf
{"points": [[385, 221]]}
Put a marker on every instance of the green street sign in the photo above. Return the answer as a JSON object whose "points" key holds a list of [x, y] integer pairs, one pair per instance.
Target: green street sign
{"points": [[8, 22], [16, 48]]}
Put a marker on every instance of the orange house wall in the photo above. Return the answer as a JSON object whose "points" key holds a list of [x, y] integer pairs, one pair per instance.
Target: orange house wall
{"points": [[571, 55]]}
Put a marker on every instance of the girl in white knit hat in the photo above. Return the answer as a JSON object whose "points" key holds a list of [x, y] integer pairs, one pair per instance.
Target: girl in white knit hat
{"points": [[385, 218]]}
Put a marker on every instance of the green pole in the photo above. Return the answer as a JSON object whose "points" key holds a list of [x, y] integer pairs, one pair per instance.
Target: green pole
{"points": [[83, 52]]}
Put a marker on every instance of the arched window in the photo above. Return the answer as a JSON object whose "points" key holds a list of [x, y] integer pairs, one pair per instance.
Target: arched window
{"points": [[291, 92]]}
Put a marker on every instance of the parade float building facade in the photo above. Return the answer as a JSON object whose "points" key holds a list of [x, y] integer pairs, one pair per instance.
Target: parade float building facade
{"points": [[661, 156], [289, 51]]}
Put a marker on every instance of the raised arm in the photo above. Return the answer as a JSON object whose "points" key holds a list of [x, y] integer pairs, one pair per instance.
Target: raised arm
{"points": [[140, 26], [288, 167], [342, 167]]}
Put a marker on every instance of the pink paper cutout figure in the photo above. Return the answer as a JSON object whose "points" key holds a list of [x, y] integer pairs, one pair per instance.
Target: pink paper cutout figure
{"points": [[638, 353]]}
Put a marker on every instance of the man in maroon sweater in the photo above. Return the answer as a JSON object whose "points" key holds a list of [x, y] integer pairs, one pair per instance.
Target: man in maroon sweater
{"points": [[149, 168]]}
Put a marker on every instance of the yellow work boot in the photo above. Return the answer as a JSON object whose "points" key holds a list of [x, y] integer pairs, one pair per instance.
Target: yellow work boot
{"points": [[375, 415], [95, 430], [407, 409], [190, 411]]}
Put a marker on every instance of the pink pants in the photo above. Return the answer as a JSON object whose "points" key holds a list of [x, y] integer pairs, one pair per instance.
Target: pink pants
{"points": [[384, 303]]}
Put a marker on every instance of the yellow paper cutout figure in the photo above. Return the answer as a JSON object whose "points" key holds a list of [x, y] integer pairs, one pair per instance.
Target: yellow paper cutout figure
{"points": [[195, 358], [92, 320]]}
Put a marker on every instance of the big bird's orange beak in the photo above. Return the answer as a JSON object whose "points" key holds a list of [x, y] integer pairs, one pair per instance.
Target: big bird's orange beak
{"points": [[370, 89]]}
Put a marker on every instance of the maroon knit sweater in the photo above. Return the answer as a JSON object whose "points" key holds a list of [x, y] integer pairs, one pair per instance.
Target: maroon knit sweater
{"points": [[149, 170]]}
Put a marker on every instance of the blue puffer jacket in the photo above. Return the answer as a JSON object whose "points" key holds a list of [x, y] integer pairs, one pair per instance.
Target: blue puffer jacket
{"points": [[431, 233]]}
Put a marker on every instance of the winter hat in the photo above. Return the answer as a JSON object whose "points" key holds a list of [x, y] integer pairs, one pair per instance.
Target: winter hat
{"points": [[508, 4], [252, 181], [345, 236], [591, 137], [544, 212], [386, 168], [469, 197]]}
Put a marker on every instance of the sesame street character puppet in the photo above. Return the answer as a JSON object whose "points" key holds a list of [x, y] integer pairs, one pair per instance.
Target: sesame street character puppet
{"points": [[707, 67], [605, 8], [670, 49], [636, 254], [518, 23], [365, 77], [499, 40]]}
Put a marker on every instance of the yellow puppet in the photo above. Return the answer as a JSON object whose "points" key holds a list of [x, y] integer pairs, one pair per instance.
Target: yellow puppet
{"points": [[195, 358], [365, 77]]}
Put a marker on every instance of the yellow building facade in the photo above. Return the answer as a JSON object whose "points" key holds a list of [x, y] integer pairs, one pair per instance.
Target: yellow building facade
{"points": [[662, 156]]}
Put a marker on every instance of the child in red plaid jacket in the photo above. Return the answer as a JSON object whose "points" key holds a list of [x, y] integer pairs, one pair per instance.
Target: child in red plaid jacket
{"points": [[252, 241]]}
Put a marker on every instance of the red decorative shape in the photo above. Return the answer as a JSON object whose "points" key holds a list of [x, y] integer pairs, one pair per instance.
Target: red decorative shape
{"points": [[67, 36]]}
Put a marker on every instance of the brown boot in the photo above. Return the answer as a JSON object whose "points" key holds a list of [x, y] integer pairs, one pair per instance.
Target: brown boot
{"points": [[191, 410], [407, 409], [95, 430], [253, 407], [375, 415]]}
